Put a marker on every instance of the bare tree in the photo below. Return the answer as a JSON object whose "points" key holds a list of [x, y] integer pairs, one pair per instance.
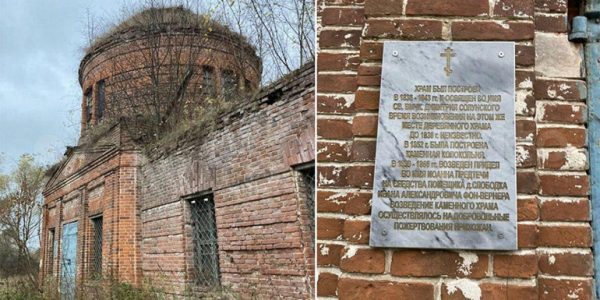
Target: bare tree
{"points": [[283, 31], [20, 209]]}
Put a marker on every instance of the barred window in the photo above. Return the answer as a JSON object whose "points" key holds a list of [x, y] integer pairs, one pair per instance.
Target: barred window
{"points": [[229, 83], [208, 81], [204, 236], [88, 106], [101, 100], [51, 247], [96, 249], [307, 186]]}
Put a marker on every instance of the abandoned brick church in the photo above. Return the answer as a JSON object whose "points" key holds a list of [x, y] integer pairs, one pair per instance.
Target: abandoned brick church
{"points": [[229, 207]]}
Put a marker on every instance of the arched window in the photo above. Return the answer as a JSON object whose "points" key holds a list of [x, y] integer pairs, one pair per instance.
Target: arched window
{"points": [[208, 81], [101, 100], [88, 106], [229, 83]]}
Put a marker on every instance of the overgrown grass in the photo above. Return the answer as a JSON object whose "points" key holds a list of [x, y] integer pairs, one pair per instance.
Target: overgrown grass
{"points": [[17, 288], [105, 289]]}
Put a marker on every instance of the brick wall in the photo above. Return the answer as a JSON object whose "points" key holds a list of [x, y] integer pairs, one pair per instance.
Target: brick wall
{"points": [[265, 245], [554, 259], [105, 184]]}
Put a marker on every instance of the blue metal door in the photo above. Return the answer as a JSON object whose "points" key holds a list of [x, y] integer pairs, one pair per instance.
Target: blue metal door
{"points": [[68, 264]]}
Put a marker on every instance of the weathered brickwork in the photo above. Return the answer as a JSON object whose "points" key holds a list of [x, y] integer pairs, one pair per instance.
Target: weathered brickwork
{"points": [[262, 219], [253, 162], [554, 259]]}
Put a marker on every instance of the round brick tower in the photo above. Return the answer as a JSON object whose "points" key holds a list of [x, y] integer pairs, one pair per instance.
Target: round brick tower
{"points": [[162, 59]]}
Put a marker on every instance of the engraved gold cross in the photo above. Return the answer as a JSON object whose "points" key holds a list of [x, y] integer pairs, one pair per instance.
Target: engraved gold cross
{"points": [[448, 54]]}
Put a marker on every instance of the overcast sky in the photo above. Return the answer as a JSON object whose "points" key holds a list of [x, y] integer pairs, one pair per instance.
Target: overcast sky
{"points": [[41, 45]]}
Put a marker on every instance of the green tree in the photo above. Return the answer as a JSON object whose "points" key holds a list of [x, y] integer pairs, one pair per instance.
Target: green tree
{"points": [[20, 212]]}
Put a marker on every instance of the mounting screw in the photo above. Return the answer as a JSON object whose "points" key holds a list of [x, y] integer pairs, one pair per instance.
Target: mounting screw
{"points": [[395, 53], [384, 233], [598, 60], [597, 20], [501, 54]]}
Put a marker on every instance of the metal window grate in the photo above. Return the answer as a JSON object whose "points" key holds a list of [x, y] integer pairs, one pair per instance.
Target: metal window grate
{"points": [[51, 251], [208, 81], [308, 180], [96, 255], [101, 100], [229, 83], [206, 249], [88, 106]]}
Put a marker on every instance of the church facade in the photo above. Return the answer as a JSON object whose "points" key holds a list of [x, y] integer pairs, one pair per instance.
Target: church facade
{"points": [[229, 208]]}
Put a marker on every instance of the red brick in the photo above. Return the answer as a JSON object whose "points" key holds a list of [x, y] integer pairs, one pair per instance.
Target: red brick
{"points": [[351, 203], [337, 61], [527, 235], [333, 152], [363, 151], [527, 182], [366, 100], [359, 289], [327, 285], [360, 176], [336, 83], [525, 130], [492, 31], [523, 77], [567, 264], [362, 260], [383, 7], [564, 185], [561, 137], [515, 266], [356, 176], [575, 113], [526, 156], [559, 89], [551, 5], [371, 80], [335, 104], [565, 236], [563, 210], [559, 159], [329, 228], [369, 75], [562, 289], [421, 263], [329, 254], [448, 8], [405, 29], [342, 16], [357, 231], [513, 8], [494, 291], [349, 38], [525, 55], [365, 125], [371, 51], [553, 160], [334, 128], [551, 23], [527, 209]]}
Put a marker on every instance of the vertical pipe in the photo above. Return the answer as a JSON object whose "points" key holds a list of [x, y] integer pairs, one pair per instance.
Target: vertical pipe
{"points": [[592, 54]]}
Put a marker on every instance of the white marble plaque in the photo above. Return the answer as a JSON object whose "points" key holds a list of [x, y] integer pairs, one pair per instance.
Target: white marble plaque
{"points": [[445, 173]]}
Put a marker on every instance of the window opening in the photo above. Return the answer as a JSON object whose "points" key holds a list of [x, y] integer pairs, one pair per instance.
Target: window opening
{"points": [[206, 249]]}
